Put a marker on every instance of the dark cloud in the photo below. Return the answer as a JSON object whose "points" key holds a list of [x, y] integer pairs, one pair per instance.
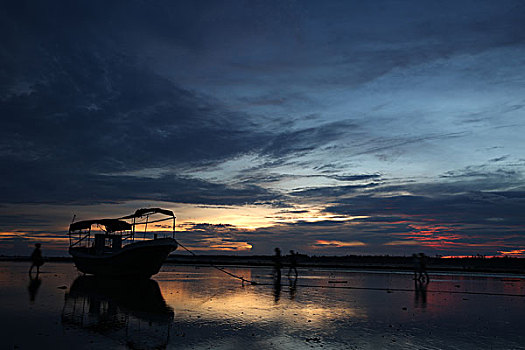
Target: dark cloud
{"points": [[456, 217], [305, 140], [382, 36], [356, 177], [294, 211], [12, 221], [320, 223], [90, 109], [146, 122], [57, 188], [484, 208], [484, 172], [499, 159], [331, 191]]}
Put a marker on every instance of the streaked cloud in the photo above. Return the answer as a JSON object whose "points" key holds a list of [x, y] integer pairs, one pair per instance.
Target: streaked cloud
{"points": [[336, 244]]}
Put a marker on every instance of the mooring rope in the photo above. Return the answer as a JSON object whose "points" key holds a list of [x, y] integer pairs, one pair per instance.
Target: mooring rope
{"points": [[222, 269], [412, 290]]}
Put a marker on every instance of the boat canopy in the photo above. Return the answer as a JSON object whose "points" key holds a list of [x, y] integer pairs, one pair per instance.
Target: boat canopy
{"points": [[119, 224], [111, 225], [147, 211]]}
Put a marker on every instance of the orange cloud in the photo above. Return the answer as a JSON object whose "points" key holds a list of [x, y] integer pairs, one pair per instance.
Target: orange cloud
{"points": [[336, 244], [31, 237], [218, 244], [513, 253], [430, 235]]}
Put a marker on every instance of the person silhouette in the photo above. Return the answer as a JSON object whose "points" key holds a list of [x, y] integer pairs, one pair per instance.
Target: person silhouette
{"points": [[277, 274], [277, 264], [292, 282], [423, 274], [36, 259], [420, 267], [277, 289], [293, 263], [417, 265]]}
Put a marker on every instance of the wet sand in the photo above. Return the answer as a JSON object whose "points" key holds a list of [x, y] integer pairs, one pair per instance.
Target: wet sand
{"points": [[197, 307]]}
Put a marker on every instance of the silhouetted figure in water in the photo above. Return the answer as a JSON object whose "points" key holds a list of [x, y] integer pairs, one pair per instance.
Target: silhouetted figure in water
{"points": [[36, 259], [34, 284], [277, 289], [420, 296], [293, 263], [277, 274], [277, 264], [292, 283], [423, 275], [415, 260], [420, 267]]}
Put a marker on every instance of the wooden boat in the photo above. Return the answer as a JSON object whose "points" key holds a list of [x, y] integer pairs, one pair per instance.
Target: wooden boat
{"points": [[113, 247]]}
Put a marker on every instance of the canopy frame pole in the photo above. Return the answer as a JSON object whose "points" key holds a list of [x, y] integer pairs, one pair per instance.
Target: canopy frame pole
{"points": [[133, 231], [146, 227]]}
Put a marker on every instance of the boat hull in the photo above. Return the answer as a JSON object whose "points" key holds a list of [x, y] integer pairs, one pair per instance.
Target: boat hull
{"points": [[136, 260]]}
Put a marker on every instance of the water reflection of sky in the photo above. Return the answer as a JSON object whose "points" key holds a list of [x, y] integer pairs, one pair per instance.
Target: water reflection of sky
{"points": [[208, 309], [208, 294]]}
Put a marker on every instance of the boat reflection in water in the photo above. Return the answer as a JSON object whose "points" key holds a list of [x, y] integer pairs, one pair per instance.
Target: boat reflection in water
{"points": [[131, 312]]}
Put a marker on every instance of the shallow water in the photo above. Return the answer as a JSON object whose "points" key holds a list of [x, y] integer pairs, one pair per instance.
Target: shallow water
{"points": [[188, 307]]}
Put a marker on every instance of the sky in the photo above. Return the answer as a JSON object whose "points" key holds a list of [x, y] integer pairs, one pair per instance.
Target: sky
{"points": [[327, 127]]}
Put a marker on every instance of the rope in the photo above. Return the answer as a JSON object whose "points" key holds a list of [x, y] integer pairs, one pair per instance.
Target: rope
{"points": [[357, 288], [412, 290], [221, 268]]}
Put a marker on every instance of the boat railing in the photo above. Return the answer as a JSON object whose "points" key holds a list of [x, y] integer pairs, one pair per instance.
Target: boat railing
{"points": [[127, 227], [155, 233], [81, 239]]}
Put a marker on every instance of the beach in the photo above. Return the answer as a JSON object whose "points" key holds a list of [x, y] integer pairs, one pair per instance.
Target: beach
{"points": [[200, 307]]}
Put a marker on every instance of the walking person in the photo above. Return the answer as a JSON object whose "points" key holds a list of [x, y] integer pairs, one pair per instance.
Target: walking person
{"points": [[292, 283], [417, 265], [36, 259], [423, 274], [277, 275], [277, 265], [293, 263]]}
